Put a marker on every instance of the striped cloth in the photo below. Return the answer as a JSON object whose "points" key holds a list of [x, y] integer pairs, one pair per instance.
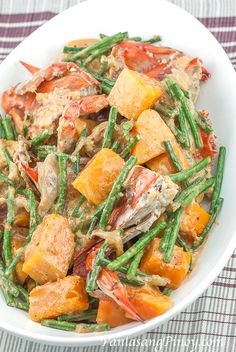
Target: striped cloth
{"points": [[209, 324]]}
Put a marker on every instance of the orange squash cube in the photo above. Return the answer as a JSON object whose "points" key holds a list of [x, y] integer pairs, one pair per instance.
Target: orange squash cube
{"points": [[16, 243], [133, 93], [161, 164], [96, 180], [149, 302], [48, 255], [193, 221], [153, 263], [64, 296], [153, 131], [111, 313]]}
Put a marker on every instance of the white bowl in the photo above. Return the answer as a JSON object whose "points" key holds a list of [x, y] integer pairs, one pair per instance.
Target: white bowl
{"points": [[178, 29]]}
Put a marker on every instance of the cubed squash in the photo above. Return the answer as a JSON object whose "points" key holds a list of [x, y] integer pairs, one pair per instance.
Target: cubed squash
{"points": [[153, 263], [193, 221], [48, 255], [133, 93], [16, 244], [161, 164], [111, 313], [153, 131], [96, 180], [148, 301], [64, 296]]}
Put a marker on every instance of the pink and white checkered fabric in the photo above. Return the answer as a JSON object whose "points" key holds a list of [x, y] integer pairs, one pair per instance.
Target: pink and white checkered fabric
{"points": [[209, 324]]}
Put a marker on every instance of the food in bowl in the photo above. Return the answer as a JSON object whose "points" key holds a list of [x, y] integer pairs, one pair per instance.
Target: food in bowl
{"points": [[107, 192]]}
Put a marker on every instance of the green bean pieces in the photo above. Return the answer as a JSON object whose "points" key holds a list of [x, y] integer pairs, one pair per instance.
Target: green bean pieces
{"points": [[2, 131], [110, 128], [41, 138], [7, 126], [129, 146], [97, 49], [185, 174], [62, 185], [126, 128], [110, 201], [137, 246], [211, 222], [86, 315], [172, 155], [200, 189], [203, 123], [115, 146], [183, 128], [90, 286], [178, 95], [134, 264], [75, 212], [219, 179], [61, 325], [6, 179], [8, 224], [172, 237]]}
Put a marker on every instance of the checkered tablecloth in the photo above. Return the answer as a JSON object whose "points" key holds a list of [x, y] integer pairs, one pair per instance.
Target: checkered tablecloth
{"points": [[209, 324]]}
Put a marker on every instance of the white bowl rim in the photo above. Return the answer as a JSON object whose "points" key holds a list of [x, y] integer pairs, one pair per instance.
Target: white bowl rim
{"points": [[98, 338]]}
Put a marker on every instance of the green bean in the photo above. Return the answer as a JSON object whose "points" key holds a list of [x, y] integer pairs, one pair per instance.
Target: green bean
{"points": [[72, 49], [81, 218], [98, 48], [77, 208], [203, 123], [7, 126], [166, 235], [6, 179], [7, 156], [91, 282], [131, 282], [87, 328], [194, 186], [183, 128], [126, 128], [172, 155], [154, 39], [86, 315], [167, 291], [62, 185], [167, 110], [45, 148], [134, 264], [110, 201], [41, 138], [219, 179], [2, 131], [105, 88], [32, 226], [13, 126], [178, 95], [7, 284], [173, 236], [77, 163], [185, 174], [137, 246], [200, 189], [61, 325], [210, 224], [92, 225], [110, 128], [183, 244], [139, 274], [8, 224], [115, 146], [129, 146], [24, 131], [186, 93]]}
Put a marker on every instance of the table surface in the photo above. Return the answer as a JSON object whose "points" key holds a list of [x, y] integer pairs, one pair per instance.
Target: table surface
{"points": [[209, 324]]}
